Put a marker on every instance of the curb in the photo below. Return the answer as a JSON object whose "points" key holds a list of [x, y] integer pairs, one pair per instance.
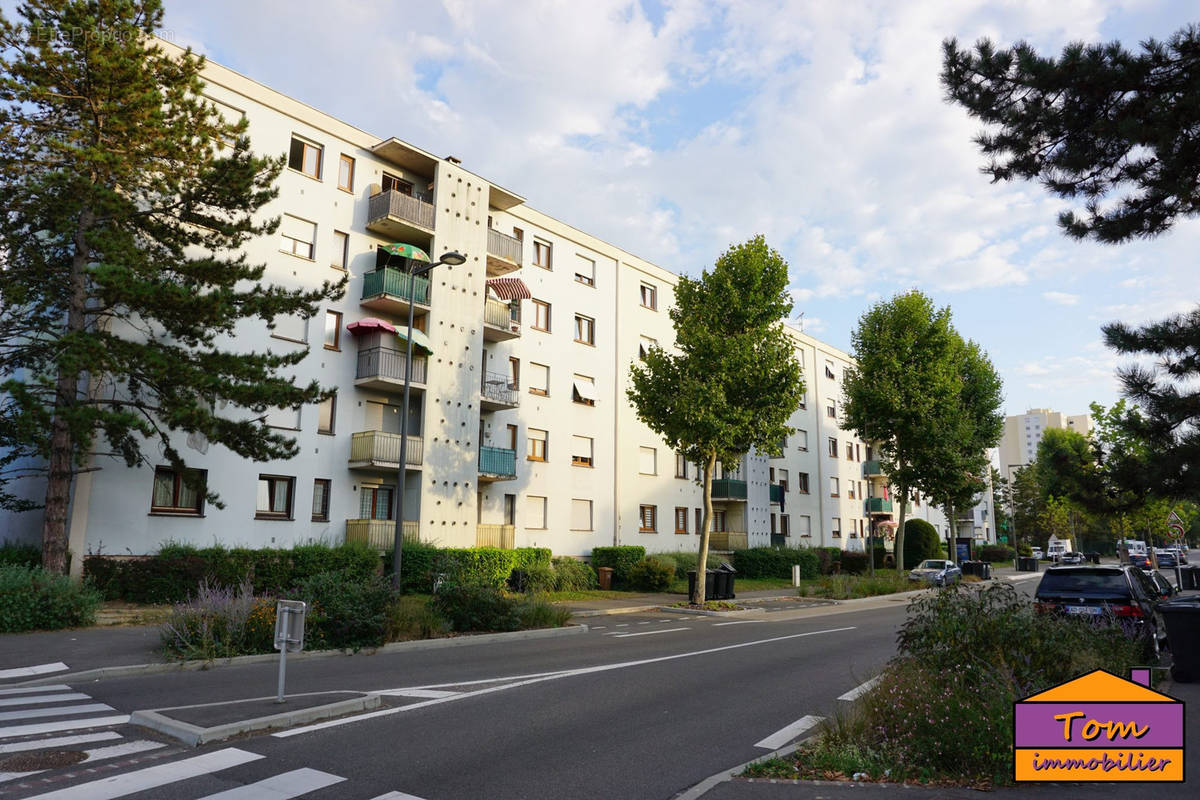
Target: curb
{"points": [[704, 612], [395, 647], [194, 735], [602, 612]]}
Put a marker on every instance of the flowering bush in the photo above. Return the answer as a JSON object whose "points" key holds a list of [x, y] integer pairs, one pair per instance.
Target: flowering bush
{"points": [[219, 622]]}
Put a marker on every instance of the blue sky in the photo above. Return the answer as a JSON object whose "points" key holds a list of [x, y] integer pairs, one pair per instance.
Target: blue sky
{"points": [[673, 128]]}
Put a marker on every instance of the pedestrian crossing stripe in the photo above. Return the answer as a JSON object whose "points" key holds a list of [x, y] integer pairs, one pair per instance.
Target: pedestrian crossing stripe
{"points": [[142, 780], [280, 787]]}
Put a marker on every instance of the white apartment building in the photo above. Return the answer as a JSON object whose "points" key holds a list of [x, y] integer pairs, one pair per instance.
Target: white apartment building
{"points": [[520, 433], [1023, 432]]}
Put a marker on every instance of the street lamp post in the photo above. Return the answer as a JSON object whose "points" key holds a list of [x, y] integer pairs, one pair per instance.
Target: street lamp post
{"points": [[453, 258]]}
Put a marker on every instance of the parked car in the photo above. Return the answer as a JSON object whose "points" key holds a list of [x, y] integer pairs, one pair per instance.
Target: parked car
{"points": [[937, 572], [1139, 560], [1073, 558], [1121, 590], [1165, 588], [1166, 558], [1037, 553], [1180, 554]]}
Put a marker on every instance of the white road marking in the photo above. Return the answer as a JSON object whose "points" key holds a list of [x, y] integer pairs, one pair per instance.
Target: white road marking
{"points": [[650, 633], [44, 698], [152, 777], [14, 731], [98, 754], [425, 693], [25, 672], [785, 734], [622, 624], [647, 622], [737, 622], [280, 787], [861, 689], [59, 741], [666, 620], [396, 796], [5, 777], [34, 713], [599, 627], [550, 676], [34, 689]]}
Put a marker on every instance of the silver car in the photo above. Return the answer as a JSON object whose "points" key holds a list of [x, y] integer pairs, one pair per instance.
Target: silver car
{"points": [[936, 572]]}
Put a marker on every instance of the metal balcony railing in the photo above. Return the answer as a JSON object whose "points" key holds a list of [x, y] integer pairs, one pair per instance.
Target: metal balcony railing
{"points": [[504, 246], [379, 447], [393, 282], [497, 461], [728, 540], [379, 534], [384, 362], [500, 314], [499, 389], [502, 536], [728, 489], [392, 203], [877, 505]]}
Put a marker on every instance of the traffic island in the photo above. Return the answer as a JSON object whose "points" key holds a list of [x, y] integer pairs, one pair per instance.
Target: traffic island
{"points": [[214, 722]]}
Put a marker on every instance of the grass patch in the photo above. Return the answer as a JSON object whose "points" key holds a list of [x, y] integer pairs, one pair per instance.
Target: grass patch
{"points": [[711, 605], [847, 587], [740, 584]]}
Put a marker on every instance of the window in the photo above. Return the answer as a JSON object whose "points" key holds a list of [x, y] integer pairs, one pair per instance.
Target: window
{"points": [[849, 451], [645, 344], [803, 401], [785, 525], [833, 487], [649, 296], [510, 509], [699, 520], [514, 373], [320, 506], [832, 447], [539, 379], [346, 173], [681, 466], [518, 234], [718, 521], [649, 519], [333, 330], [391, 183], [305, 157], [288, 418], [802, 482], [850, 489], [535, 512], [681, 516], [857, 452], [581, 451], [541, 254], [647, 461], [585, 329], [512, 439], [297, 236], [541, 316], [375, 502], [581, 515], [829, 370], [585, 270], [293, 328], [341, 251], [178, 491], [804, 526], [325, 414], [831, 411], [584, 390], [802, 440], [837, 527], [537, 445], [274, 497]]}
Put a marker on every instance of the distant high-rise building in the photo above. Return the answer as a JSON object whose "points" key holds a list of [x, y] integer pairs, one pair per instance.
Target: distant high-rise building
{"points": [[1018, 447]]}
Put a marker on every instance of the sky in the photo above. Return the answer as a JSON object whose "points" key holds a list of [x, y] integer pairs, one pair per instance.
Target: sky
{"points": [[675, 128]]}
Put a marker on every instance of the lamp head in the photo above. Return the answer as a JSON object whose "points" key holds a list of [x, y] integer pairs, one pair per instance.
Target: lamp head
{"points": [[453, 258]]}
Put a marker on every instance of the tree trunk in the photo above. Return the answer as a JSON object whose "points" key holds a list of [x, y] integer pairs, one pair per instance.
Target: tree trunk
{"points": [[66, 395], [951, 532], [898, 548], [697, 597]]}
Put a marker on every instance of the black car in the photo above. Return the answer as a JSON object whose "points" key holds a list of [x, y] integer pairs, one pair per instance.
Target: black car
{"points": [[1122, 590], [1166, 558]]}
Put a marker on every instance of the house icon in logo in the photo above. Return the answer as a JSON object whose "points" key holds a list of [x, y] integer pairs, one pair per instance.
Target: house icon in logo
{"points": [[1099, 727]]}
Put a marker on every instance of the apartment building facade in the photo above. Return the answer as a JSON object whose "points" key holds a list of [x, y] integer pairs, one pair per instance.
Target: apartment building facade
{"points": [[520, 433]]}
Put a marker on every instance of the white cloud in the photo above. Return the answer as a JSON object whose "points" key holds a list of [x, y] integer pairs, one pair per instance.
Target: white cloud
{"points": [[1061, 298]]}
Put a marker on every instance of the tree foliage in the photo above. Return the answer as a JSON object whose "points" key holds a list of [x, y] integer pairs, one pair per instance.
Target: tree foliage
{"points": [[127, 200], [1112, 128], [731, 381]]}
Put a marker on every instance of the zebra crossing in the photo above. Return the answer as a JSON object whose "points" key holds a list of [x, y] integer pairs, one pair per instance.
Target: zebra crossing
{"points": [[57, 743]]}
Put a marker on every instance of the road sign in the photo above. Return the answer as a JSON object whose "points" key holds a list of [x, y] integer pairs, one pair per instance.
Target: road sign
{"points": [[289, 624]]}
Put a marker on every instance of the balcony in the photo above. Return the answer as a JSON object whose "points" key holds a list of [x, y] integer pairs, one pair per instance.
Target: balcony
{"points": [[872, 469], [400, 217], [776, 494], [503, 253], [389, 290], [379, 534], [501, 321], [497, 464], [729, 489], [497, 393], [502, 536], [379, 450], [382, 368], [877, 505], [728, 540]]}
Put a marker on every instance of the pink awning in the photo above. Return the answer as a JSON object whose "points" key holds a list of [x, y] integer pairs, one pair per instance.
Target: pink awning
{"points": [[370, 325], [509, 288]]}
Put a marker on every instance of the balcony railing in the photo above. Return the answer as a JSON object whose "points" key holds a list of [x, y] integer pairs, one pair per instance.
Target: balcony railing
{"points": [[728, 489], [728, 540], [379, 533], [394, 205], [395, 283], [499, 390], [500, 314], [379, 448], [776, 493], [384, 362], [877, 505], [504, 246], [498, 461], [871, 468], [502, 536]]}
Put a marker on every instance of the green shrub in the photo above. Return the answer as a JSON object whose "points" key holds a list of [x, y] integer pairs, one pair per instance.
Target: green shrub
{"points": [[537, 579], [219, 622], [482, 566], [621, 559], [528, 558], [920, 542], [828, 560], [853, 562], [24, 555], [417, 568], [845, 587], [169, 578], [33, 599], [476, 607], [775, 562], [881, 554], [410, 618], [534, 613], [994, 553], [571, 575], [651, 575], [346, 611], [685, 562], [105, 575]]}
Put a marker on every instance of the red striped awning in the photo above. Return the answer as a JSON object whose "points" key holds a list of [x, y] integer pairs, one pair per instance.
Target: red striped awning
{"points": [[509, 288]]}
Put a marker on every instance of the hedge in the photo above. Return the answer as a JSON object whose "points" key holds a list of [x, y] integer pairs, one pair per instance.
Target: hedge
{"points": [[621, 559], [853, 562], [920, 542], [995, 553], [24, 555], [33, 599], [774, 562]]}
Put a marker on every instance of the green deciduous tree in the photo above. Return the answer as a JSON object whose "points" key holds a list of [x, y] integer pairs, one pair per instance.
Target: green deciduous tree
{"points": [[1065, 467], [127, 198], [732, 380]]}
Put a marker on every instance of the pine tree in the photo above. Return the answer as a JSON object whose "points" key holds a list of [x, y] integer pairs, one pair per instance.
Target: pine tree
{"points": [[127, 198]]}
